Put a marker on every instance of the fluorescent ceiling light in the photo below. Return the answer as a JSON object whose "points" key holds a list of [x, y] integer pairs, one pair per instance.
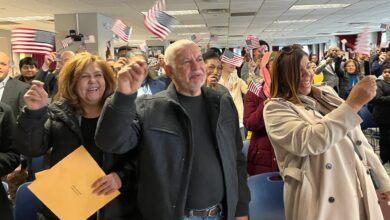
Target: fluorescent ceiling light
{"points": [[276, 30], [323, 6], [294, 21], [188, 25], [27, 18], [183, 12], [185, 34]]}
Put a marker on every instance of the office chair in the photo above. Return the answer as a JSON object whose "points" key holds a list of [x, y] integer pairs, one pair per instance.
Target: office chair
{"points": [[245, 148], [26, 203], [37, 164], [5, 185], [266, 197], [369, 127], [368, 120]]}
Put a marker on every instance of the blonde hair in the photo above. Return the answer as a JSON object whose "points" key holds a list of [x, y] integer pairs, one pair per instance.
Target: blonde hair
{"points": [[71, 73]]}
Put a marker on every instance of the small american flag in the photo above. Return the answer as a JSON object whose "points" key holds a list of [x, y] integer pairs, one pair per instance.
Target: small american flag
{"points": [[385, 26], [255, 87], [158, 22], [65, 42], [362, 43], [90, 39], [252, 43], [196, 38], [121, 30], [249, 37], [231, 58], [27, 40], [213, 37]]}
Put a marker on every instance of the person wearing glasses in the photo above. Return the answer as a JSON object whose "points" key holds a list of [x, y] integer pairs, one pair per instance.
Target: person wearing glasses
{"points": [[329, 169], [213, 66]]}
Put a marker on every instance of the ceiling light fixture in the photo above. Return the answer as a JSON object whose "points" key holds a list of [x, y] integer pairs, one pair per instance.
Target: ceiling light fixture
{"points": [[183, 12], [189, 26], [27, 18], [276, 30], [323, 6], [294, 21], [187, 34]]}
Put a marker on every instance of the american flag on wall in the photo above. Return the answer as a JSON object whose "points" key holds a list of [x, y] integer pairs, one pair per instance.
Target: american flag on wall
{"points": [[65, 42], [27, 40], [231, 58], [158, 22], [121, 30], [252, 43]]}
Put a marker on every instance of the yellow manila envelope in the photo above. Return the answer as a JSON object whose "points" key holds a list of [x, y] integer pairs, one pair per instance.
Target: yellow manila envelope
{"points": [[66, 188], [40, 173]]}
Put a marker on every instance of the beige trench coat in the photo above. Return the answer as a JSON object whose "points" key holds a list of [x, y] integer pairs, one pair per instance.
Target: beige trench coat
{"points": [[324, 177]]}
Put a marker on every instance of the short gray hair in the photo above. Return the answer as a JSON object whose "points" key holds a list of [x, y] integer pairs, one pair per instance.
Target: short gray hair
{"points": [[170, 52]]}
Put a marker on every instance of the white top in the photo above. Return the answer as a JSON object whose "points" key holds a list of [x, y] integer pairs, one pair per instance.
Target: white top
{"points": [[2, 86]]}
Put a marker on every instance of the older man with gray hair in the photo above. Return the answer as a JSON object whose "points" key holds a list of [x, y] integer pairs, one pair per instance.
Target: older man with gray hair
{"points": [[188, 139]]}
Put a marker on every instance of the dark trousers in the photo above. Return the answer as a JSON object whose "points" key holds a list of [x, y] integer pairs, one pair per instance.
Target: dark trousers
{"points": [[384, 143]]}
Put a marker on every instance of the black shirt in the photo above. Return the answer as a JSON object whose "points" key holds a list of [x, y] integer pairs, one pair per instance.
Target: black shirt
{"points": [[88, 127], [206, 187]]}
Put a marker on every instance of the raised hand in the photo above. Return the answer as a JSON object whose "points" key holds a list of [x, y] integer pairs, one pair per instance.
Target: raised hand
{"points": [[212, 81], [362, 92], [107, 184], [130, 77], [36, 97], [120, 63], [48, 60]]}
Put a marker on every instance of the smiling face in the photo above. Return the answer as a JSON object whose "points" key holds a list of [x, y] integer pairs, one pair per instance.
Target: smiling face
{"points": [[91, 85], [350, 67], [188, 70], [28, 71], [306, 76]]}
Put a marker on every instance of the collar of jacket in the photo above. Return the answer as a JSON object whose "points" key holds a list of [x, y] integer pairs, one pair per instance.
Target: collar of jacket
{"points": [[321, 93], [212, 98], [60, 110]]}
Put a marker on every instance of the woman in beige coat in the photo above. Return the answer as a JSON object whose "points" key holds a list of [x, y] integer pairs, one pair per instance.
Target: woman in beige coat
{"points": [[314, 134]]}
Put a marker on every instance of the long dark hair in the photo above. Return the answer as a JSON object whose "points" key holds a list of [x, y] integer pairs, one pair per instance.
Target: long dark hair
{"points": [[286, 74]]}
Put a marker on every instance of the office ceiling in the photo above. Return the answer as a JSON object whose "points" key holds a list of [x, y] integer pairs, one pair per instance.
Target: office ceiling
{"points": [[232, 20]]}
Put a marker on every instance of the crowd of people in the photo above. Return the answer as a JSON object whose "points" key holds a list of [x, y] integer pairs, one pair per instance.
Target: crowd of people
{"points": [[168, 131]]}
